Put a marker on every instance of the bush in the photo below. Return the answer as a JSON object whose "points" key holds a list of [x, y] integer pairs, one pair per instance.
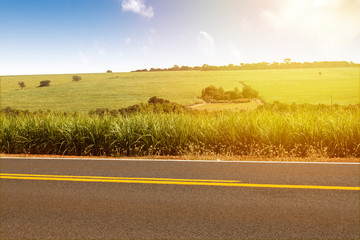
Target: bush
{"points": [[213, 94], [21, 85], [45, 83], [154, 105], [155, 100], [108, 71], [76, 78], [249, 92]]}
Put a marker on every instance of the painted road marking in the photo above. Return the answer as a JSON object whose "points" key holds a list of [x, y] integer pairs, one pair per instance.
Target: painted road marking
{"points": [[227, 183], [113, 178]]}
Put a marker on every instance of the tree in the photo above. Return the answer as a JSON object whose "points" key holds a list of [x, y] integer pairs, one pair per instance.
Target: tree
{"points": [[45, 83], [210, 94], [175, 68], [21, 85], [108, 71], [236, 94], [249, 92], [214, 94], [76, 78], [156, 100], [185, 68]]}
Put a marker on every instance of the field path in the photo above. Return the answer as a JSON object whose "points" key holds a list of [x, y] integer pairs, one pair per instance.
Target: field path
{"points": [[259, 101], [196, 105]]}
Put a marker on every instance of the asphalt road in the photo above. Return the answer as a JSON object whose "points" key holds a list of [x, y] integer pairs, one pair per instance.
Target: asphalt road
{"points": [[43, 199]]}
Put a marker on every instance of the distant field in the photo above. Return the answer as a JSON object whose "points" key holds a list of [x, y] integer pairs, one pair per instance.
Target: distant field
{"points": [[307, 85], [117, 90]]}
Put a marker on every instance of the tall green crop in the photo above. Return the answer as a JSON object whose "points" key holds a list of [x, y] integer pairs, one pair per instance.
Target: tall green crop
{"points": [[301, 132]]}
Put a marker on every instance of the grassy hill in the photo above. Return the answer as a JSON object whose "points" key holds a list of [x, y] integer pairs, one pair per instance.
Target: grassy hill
{"points": [[341, 85], [116, 90]]}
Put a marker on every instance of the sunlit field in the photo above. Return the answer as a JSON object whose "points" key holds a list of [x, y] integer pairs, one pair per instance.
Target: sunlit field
{"points": [[117, 90], [315, 86], [326, 126]]}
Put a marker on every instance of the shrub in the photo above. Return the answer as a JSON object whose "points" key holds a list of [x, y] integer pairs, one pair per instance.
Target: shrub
{"points": [[45, 83], [21, 85], [214, 94], [154, 105], [249, 92], [236, 94], [211, 94], [158, 100], [108, 71], [76, 78]]}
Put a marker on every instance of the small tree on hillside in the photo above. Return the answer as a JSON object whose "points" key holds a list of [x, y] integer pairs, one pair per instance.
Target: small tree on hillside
{"points": [[45, 83], [108, 71], [21, 85], [249, 92], [210, 94], [236, 94], [76, 78], [156, 100]]}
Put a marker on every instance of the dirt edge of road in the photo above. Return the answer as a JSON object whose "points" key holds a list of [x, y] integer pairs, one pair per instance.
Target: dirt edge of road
{"points": [[195, 157]]}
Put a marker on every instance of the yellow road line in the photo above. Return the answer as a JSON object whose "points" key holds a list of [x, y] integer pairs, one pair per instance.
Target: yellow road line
{"points": [[170, 181], [113, 178]]}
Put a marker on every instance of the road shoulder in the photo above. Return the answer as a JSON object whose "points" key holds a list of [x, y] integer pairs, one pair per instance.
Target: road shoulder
{"points": [[194, 157]]}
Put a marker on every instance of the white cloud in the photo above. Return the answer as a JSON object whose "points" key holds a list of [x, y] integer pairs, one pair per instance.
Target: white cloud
{"points": [[331, 25], [83, 57], [206, 43], [137, 6]]}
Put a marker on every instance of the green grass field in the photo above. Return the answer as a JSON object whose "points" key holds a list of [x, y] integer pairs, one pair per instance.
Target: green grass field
{"points": [[117, 90], [339, 85]]}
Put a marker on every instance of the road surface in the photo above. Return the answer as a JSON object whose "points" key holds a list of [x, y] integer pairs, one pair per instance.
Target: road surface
{"points": [[149, 199]]}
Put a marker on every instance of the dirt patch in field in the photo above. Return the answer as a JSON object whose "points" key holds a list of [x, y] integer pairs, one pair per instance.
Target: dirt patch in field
{"points": [[195, 157], [195, 105]]}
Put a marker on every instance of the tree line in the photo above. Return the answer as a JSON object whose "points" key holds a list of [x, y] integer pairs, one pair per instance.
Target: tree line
{"points": [[287, 64]]}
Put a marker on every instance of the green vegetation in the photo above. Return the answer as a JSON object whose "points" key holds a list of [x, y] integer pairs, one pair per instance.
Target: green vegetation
{"points": [[21, 85], [45, 83], [119, 90], [333, 86], [213, 94], [154, 105], [76, 78], [273, 130], [287, 64]]}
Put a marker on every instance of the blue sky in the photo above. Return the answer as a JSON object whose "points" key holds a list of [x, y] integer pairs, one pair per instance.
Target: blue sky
{"points": [[80, 36]]}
